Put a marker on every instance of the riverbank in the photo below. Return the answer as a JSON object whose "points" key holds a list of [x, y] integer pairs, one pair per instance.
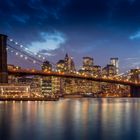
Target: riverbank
{"points": [[28, 99]]}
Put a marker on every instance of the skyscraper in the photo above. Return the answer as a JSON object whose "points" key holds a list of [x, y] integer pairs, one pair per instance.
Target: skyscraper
{"points": [[115, 62], [87, 65], [46, 82], [46, 66], [69, 64], [66, 65], [109, 70], [97, 70], [60, 66]]}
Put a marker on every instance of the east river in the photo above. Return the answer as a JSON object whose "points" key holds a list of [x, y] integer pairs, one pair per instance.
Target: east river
{"points": [[71, 119]]}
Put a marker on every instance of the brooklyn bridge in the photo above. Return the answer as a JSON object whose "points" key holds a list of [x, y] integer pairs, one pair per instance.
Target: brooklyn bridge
{"points": [[7, 44]]}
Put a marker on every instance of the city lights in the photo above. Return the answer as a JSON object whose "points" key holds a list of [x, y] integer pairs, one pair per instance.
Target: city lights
{"points": [[62, 78]]}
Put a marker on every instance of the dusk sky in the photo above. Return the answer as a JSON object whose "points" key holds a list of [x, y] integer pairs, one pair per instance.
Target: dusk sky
{"points": [[97, 28]]}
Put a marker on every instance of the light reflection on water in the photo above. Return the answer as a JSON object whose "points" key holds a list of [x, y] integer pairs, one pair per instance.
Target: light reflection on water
{"points": [[71, 119]]}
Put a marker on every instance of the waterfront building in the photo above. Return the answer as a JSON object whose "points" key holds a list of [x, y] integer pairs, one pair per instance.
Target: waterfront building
{"points": [[34, 82], [108, 71], [14, 90], [88, 68], [84, 86], [50, 85], [70, 86], [56, 83], [46, 85]]}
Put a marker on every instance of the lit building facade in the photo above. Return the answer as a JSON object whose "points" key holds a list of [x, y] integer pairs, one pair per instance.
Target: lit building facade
{"points": [[14, 90], [69, 64], [56, 83], [87, 67], [97, 70], [88, 63], [134, 75], [60, 66], [34, 82], [66, 65], [11, 78], [46, 66], [46, 84], [70, 86], [115, 62], [109, 70]]}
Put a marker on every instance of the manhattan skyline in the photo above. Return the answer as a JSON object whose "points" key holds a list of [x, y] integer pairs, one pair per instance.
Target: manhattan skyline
{"points": [[98, 29]]}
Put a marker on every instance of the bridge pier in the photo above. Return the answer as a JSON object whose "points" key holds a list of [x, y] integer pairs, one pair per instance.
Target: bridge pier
{"points": [[3, 59], [135, 91]]}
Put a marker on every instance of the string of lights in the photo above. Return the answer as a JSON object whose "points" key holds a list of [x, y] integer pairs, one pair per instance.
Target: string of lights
{"points": [[21, 48], [23, 55], [40, 56]]}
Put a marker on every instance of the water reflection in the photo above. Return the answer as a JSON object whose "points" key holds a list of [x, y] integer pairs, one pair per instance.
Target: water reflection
{"points": [[71, 119]]}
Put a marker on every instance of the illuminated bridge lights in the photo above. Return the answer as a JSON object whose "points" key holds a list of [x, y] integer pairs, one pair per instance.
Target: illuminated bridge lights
{"points": [[69, 75], [23, 48], [21, 51]]}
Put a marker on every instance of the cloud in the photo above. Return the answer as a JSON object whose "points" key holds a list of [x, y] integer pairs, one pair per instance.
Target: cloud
{"points": [[83, 27], [131, 58], [50, 42], [135, 36], [22, 19]]}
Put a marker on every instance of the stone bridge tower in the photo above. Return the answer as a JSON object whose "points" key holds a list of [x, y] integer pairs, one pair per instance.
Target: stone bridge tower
{"points": [[3, 59]]}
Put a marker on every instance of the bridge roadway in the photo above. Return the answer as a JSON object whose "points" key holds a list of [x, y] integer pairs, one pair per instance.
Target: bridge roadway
{"points": [[29, 72]]}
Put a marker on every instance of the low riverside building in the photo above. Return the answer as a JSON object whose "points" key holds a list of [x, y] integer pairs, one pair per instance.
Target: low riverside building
{"points": [[14, 90]]}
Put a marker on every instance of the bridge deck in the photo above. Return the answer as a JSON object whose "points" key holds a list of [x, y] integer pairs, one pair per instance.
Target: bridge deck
{"points": [[66, 75]]}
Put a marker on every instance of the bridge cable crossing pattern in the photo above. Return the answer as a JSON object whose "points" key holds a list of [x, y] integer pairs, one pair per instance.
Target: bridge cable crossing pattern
{"points": [[25, 53]]}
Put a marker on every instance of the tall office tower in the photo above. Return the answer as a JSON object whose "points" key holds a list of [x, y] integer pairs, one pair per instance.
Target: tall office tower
{"points": [[109, 70], [97, 70], [46, 82], [87, 63], [60, 66], [66, 65], [69, 64], [47, 66], [115, 62], [3, 59], [46, 85]]}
